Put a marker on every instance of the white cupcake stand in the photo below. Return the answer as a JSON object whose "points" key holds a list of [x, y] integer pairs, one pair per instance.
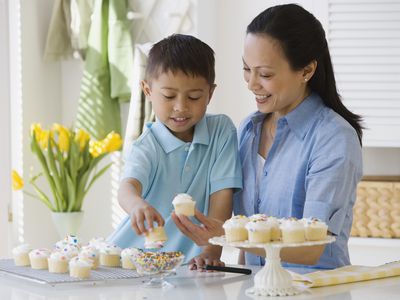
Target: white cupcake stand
{"points": [[272, 279]]}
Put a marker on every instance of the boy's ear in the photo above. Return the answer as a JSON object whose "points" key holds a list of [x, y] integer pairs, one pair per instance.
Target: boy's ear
{"points": [[212, 89], [145, 88]]}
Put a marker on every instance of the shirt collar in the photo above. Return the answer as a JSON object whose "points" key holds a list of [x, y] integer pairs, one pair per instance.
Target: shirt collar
{"points": [[169, 142], [303, 116]]}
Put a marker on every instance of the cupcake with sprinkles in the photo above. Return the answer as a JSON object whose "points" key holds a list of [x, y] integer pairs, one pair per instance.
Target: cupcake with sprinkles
{"points": [[68, 240], [79, 267], [156, 238], [38, 258], [110, 256], [92, 254], [127, 257], [58, 262], [21, 255], [292, 230], [235, 230], [315, 229], [259, 230]]}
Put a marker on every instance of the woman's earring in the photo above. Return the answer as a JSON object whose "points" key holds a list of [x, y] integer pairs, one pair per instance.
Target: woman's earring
{"points": [[305, 79]]}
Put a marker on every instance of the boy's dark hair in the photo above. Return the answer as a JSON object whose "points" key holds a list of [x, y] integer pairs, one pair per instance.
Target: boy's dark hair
{"points": [[180, 52], [302, 39]]}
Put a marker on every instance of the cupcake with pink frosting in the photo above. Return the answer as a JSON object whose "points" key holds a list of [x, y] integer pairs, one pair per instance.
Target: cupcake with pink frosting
{"points": [[38, 258]]}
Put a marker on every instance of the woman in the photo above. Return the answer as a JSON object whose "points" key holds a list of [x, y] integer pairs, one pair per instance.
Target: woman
{"points": [[301, 151]]}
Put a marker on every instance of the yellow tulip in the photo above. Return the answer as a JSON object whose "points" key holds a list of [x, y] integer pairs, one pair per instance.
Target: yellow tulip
{"points": [[43, 139], [63, 136], [17, 181], [37, 129], [81, 138], [112, 142], [96, 148]]}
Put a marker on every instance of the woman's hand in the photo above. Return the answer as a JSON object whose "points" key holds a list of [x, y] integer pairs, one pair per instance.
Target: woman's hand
{"points": [[200, 234], [141, 212]]}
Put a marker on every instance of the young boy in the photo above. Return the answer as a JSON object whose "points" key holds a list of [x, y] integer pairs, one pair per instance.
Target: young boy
{"points": [[184, 151]]}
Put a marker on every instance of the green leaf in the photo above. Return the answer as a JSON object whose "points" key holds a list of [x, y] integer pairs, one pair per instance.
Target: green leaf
{"points": [[71, 194], [55, 174]]}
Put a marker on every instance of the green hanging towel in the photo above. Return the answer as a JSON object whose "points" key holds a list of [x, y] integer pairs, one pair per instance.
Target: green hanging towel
{"points": [[108, 69]]}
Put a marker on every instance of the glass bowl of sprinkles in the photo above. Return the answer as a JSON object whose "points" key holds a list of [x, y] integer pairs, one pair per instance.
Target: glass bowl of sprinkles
{"points": [[157, 265]]}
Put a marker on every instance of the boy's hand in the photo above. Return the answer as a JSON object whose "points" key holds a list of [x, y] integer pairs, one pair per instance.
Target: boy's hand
{"points": [[210, 227], [141, 212], [207, 257]]}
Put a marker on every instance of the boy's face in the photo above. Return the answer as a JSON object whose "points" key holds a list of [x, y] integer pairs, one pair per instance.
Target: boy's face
{"points": [[179, 101]]}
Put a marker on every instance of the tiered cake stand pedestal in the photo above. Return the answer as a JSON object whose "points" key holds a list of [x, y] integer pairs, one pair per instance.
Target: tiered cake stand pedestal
{"points": [[272, 279]]}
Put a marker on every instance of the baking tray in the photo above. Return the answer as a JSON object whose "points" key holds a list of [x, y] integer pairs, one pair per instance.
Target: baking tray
{"points": [[102, 274]]}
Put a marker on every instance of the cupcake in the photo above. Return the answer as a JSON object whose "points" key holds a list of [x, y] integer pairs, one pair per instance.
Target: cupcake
{"points": [[235, 229], [92, 254], [292, 230], [155, 238], [97, 242], [315, 229], [184, 205], [258, 229], [68, 240], [276, 233], [38, 258], [21, 255], [69, 250], [127, 257], [79, 267], [110, 256], [58, 262]]}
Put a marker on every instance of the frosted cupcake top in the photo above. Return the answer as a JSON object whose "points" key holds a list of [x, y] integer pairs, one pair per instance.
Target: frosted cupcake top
{"points": [[22, 249], [68, 240], [89, 252], [69, 250], [42, 253], [59, 256], [130, 252], [182, 199], [238, 221], [292, 224], [314, 222], [80, 262], [257, 217], [259, 224], [111, 250], [97, 242]]}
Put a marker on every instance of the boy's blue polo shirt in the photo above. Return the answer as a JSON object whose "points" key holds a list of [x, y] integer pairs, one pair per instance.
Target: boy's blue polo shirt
{"points": [[311, 170], [167, 166]]}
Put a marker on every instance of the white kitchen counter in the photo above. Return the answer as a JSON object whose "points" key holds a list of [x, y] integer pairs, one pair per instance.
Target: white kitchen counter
{"points": [[190, 285]]}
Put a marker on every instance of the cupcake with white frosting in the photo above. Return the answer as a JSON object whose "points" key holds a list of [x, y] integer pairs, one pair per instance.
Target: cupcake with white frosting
{"points": [[68, 240], [38, 258], [97, 242], [79, 267], [127, 257], [259, 230], [58, 262], [276, 233], [156, 238], [315, 229], [184, 205], [235, 229], [21, 255], [92, 254], [292, 230], [110, 256]]}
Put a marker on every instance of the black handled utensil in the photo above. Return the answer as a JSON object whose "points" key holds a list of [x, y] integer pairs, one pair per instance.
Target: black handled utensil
{"points": [[228, 269]]}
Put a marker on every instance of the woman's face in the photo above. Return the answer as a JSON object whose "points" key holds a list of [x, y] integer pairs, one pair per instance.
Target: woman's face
{"points": [[277, 88]]}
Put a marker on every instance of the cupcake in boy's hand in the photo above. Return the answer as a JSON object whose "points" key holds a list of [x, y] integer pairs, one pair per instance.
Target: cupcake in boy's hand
{"points": [[21, 255], [156, 238], [184, 205]]}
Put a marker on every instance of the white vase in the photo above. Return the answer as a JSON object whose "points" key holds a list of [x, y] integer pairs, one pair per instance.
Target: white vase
{"points": [[67, 222]]}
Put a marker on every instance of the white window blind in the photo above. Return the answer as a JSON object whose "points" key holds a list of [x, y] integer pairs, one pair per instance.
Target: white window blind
{"points": [[364, 40]]}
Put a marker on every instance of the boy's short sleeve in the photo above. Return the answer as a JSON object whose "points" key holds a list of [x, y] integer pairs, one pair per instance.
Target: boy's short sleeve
{"points": [[139, 164], [226, 171]]}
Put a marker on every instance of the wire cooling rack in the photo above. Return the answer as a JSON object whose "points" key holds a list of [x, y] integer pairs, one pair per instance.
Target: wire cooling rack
{"points": [[102, 274]]}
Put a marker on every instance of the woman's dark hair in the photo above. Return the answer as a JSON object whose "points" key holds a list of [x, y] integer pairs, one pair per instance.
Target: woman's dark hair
{"points": [[302, 39], [180, 52]]}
